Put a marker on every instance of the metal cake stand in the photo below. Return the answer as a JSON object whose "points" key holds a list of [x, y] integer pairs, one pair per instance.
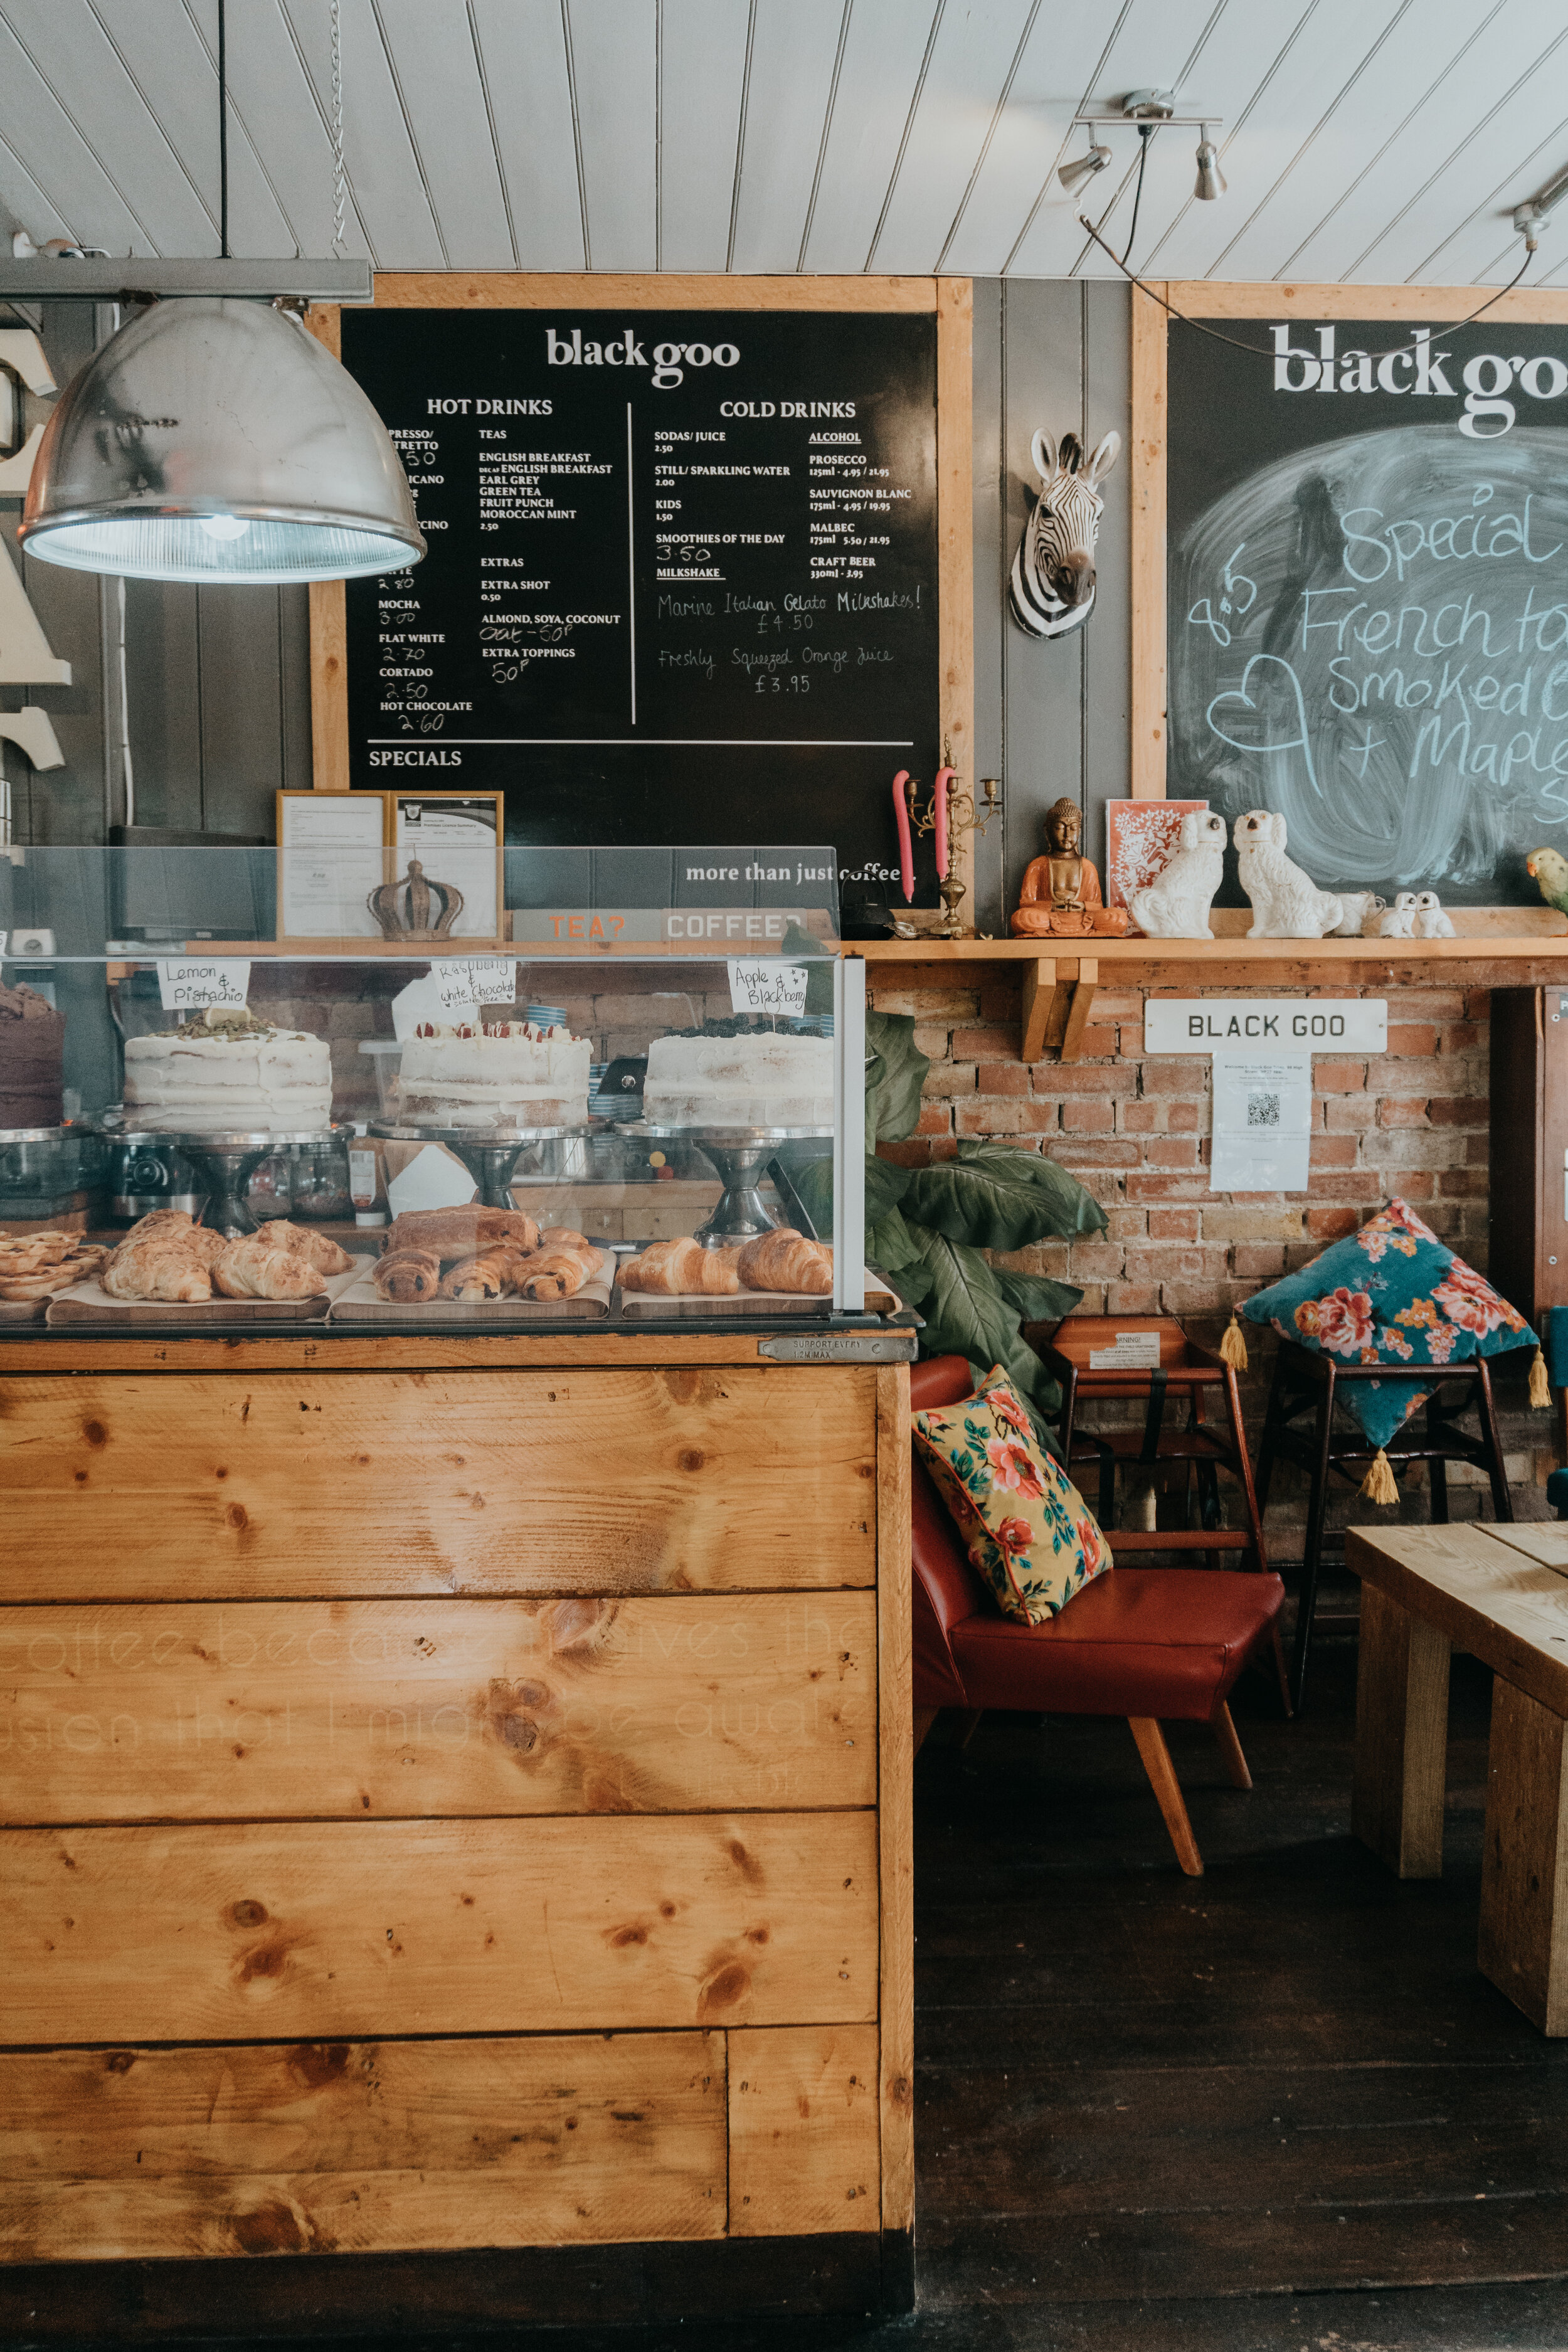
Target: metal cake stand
{"points": [[226, 1160], [489, 1154], [738, 1156]]}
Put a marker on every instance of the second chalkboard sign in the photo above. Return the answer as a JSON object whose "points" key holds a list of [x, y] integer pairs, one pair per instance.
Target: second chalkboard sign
{"points": [[1367, 623], [682, 577]]}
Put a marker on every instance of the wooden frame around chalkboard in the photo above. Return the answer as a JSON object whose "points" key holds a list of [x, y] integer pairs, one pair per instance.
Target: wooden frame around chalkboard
{"points": [[950, 299], [1198, 299]]}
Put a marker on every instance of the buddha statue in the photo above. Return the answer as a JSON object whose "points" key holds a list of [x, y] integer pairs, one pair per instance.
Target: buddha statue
{"points": [[1061, 897]]}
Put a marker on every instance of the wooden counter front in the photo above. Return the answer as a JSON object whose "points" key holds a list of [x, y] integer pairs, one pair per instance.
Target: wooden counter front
{"points": [[456, 1804]]}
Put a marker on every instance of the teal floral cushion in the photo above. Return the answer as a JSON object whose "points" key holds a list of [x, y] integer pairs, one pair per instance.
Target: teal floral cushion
{"points": [[1394, 1295], [1027, 1528]]}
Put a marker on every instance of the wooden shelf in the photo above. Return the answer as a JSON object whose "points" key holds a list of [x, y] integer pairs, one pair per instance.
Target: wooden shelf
{"points": [[1058, 992]]}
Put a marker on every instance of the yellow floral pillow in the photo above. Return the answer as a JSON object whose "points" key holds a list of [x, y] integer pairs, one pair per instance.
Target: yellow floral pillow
{"points": [[1027, 1529]]}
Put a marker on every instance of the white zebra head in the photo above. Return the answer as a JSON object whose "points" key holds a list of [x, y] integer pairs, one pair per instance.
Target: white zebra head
{"points": [[1052, 586]]}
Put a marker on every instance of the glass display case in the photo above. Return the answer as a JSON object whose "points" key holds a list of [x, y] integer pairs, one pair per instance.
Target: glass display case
{"points": [[641, 1102]]}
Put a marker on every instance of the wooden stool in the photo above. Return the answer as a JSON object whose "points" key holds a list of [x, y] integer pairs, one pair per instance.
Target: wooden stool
{"points": [[1186, 1371], [1306, 1382]]}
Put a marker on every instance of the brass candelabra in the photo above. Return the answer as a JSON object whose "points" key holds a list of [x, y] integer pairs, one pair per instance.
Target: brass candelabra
{"points": [[962, 817]]}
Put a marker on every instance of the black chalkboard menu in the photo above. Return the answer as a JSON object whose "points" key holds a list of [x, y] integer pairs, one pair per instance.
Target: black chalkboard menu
{"points": [[681, 583], [1368, 592]]}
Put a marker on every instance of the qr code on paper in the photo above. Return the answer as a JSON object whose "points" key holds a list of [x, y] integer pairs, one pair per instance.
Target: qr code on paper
{"points": [[1263, 1110]]}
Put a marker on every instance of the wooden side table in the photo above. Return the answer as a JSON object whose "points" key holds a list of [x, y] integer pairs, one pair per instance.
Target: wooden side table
{"points": [[1502, 1593]]}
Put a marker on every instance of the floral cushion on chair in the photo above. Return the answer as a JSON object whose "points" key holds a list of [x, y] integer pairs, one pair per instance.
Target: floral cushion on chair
{"points": [[1393, 1295], [1028, 1532]]}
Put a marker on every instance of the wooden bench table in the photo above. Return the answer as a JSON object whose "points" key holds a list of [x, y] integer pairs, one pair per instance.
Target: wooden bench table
{"points": [[1502, 1593]]}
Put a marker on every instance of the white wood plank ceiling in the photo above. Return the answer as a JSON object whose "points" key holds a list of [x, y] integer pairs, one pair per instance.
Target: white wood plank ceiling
{"points": [[1371, 140]]}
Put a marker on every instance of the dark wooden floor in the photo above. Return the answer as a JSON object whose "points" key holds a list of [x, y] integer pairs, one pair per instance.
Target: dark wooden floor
{"points": [[1274, 2107]]}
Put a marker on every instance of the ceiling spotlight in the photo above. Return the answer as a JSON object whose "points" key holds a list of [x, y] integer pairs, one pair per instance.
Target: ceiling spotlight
{"points": [[1210, 182], [1083, 168], [1149, 106]]}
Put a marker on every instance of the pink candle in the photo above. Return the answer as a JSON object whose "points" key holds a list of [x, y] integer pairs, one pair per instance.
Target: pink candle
{"points": [[906, 846], [938, 811]]}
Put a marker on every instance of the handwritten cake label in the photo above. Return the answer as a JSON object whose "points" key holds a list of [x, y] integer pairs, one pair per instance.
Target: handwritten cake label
{"points": [[463, 986], [762, 984], [189, 985]]}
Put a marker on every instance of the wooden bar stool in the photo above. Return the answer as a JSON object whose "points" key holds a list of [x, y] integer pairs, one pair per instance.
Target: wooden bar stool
{"points": [[1188, 1373], [1305, 1383]]}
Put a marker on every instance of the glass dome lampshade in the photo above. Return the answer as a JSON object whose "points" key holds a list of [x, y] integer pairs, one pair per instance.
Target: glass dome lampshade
{"points": [[217, 441]]}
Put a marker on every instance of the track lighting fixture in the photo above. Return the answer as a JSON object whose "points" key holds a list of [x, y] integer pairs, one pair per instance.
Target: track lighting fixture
{"points": [[1149, 110]]}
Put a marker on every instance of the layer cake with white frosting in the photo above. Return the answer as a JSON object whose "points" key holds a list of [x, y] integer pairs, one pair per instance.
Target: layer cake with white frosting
{"points": [[757, 1078], [493, 1074], [240, 1076]]}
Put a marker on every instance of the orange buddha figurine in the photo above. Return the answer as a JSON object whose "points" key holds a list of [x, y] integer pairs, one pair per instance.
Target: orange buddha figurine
{"points": [[1060, 897]]}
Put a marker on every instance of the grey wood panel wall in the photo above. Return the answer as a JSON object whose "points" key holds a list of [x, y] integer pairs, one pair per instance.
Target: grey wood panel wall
{"points": [[219, 679], [1051, 719]]}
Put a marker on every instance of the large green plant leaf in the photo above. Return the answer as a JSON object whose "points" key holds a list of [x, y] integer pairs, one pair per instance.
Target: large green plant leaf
{"points": [[996, 1197], [1037, 1297], [889, 1243], [966, 1315], [812, 1180], [895, 1073]]}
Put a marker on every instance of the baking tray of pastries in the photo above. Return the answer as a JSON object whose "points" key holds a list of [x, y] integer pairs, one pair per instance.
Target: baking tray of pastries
{"points": [[170, 1269], [477, 1265], [34, 1267], [779, 1273]]}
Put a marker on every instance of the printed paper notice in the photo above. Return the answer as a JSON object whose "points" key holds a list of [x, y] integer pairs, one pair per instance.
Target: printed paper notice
{"points": [[1262, 1124], [762, 985], [187, 985]]}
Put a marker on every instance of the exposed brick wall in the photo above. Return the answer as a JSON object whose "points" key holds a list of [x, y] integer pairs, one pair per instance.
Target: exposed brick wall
{"points": [[1135, 1131]]}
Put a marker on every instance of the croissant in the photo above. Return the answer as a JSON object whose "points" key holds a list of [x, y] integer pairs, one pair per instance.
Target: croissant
{"points": [[563, 1237], [256, 1267], [785, 1260], [683, 1269], [557, 1274], [163, 1256], [461, 1232], [318, 1250], [490, 1276], [407, 1275]]}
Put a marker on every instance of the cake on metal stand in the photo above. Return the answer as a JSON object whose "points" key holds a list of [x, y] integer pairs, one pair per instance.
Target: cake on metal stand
{"points": [[738, 1155]]}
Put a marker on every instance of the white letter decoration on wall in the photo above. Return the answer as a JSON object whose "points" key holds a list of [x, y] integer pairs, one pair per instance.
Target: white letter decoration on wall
{"points": [[24, 656]]}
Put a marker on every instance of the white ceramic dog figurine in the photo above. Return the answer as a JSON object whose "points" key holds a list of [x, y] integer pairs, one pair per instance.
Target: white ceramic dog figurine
{"points": [[1286, 903], [1431, 922], [1399, 922], [1175, 905], [1362, 909]]}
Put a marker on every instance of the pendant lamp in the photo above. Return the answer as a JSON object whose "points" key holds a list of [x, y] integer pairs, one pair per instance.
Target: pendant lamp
{"points": [[217, 441]]}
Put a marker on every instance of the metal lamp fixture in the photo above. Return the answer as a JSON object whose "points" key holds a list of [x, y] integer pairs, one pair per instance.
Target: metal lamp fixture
{"points": [[1149, 110], [1082, 168], [1211, 180], [214, 441]]}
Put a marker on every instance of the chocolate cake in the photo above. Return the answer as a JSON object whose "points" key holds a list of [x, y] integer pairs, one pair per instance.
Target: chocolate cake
{"points": [[32, 1054]]}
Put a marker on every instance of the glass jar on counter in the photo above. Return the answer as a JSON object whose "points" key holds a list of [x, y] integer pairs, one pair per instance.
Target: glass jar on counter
{"points": [[320, 1176]]}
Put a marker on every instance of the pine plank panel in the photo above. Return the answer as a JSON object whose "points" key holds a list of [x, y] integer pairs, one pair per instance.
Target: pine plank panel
{"points": [[335, 1929], [523, 52], [803, 2130], [701, 90], [629, 290], [1485, 1597], [291, 1710], [345, 1350], [379, 1483], [356, 2147], [1401, 1737], [1523, 1943], [1147, 468], [956, 548], [896, 1826]]}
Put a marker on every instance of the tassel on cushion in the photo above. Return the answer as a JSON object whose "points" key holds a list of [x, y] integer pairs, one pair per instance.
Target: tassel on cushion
{"points": [[1380, 1485], [1540, 1386], [1233, 1346]]}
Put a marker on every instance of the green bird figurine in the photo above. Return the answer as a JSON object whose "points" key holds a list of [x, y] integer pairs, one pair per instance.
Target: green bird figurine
{"points": [[1548, 869]]}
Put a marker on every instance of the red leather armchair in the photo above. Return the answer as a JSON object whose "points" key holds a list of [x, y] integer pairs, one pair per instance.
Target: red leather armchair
{"points": [[1144, 1642]]}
